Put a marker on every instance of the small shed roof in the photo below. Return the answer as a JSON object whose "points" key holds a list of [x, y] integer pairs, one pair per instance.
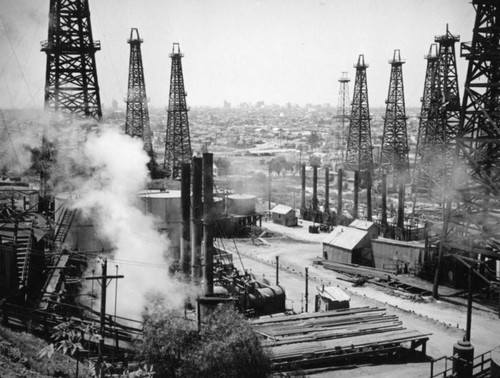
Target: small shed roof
{"points": [[362, 224], [345, 237], [333, 293], [281, 209]]}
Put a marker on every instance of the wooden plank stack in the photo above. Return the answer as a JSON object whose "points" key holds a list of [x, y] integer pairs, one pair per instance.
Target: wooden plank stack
{"points": [[335, 337]]}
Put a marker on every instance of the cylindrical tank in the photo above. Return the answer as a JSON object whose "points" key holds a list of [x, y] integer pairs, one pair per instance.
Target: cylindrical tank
{"points": [[166, 206], [241, 204], [463, 361]]}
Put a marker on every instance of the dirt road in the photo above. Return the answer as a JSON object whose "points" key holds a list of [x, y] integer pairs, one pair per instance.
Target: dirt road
{"points": [[444, 320]]}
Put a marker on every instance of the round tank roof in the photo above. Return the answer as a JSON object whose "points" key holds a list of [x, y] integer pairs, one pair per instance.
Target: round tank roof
{"points": [[160, 194], [241, 196]]}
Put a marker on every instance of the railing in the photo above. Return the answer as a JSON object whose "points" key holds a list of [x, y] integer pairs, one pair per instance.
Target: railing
{"points": [[481, 365]]}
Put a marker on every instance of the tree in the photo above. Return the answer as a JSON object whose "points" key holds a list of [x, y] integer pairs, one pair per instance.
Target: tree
{"points": [[313, 140], [225, 347], [279, 163], [230, 348], [315, 160], [223, 164]]}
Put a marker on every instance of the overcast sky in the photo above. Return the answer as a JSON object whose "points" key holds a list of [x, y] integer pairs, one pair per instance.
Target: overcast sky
{"points": [[277, 51]]}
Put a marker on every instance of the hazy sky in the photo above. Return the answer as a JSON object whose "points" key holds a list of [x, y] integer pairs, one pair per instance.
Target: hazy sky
{"points": [[277, 51]]}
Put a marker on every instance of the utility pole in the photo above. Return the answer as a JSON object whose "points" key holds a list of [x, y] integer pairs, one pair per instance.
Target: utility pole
{"points": [[103, 281]]}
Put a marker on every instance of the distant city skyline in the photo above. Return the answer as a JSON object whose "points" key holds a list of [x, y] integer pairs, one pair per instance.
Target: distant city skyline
{"points": [[240, 51]]}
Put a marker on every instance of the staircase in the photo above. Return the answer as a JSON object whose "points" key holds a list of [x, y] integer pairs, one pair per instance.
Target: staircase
{"points": [[64, 225], [23, 251]]}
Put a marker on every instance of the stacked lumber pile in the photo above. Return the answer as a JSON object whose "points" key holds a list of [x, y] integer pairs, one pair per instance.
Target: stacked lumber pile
{"points": [[338, 337]]}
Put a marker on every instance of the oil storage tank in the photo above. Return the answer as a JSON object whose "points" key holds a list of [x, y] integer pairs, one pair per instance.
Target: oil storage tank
{"points": [[241, 204]]}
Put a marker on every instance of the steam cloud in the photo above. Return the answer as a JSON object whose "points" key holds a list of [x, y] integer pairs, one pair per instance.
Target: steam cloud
{"points": [[118, 169]]}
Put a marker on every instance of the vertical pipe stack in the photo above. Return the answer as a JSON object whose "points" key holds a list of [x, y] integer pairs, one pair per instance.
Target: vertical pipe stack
{"points": [[196, 220], [356, 195], [369, 195], [208, 240], [315, 189], [401, 205], [339, 199], [303, 183], [327, 191], [185, 210], [384, 204]]}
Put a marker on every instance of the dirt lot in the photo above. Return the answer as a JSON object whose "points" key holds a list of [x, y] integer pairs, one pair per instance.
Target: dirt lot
{"points": [[297, 248]]}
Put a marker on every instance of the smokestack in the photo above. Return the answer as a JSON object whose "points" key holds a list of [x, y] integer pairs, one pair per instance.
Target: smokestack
{"points": [[208, 209], [339, 196], [315, 189], [303, 181], [196, 220], [356, 195], [369, 195], [401, 205], [327, 190], [384, 205], [185, 210]]}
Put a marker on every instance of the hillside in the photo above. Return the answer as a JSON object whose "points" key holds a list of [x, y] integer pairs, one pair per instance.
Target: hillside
{"points": [[19, 358]]}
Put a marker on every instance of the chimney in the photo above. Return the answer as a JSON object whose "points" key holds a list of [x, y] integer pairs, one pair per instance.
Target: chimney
{"points": [[208, 226], [196, 221], [185, 212]]}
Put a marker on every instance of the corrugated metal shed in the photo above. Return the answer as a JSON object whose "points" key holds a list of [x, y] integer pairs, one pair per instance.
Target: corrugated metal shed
{"points": [[345, 237]]}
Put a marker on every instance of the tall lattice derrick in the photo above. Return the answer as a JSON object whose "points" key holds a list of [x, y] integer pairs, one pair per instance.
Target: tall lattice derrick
{"points": [[137, 119], [394, 153], [438, 152], [478, 140], [342, 116], [178, 142], [421, 180], [71, 78], [359, 155]]}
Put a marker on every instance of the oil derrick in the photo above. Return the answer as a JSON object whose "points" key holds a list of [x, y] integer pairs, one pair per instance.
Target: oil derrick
{"points": [[71, 78], [137, 120], [420, 179], [478, 136], [178, 142], [394, 154], [359, 142], [342, 116], [438, 141]]}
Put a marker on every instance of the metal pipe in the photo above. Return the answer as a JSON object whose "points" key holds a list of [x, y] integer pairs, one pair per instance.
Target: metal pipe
{"points": [[307, 289], [369, 195], [196, 220], [314, 203], [339, 196], [356, 195], [384, 204], [208, 240], [185, 210], [401, 206], [303, 185], [277, 270], [469, 306], [327, 191]]}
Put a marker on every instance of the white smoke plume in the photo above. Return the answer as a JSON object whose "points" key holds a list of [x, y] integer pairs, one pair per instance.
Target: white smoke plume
{"points": [[118, 169]]}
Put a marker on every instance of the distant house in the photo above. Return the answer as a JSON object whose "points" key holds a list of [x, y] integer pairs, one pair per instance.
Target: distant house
{"points": [[348, 245], [284, 215]]}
